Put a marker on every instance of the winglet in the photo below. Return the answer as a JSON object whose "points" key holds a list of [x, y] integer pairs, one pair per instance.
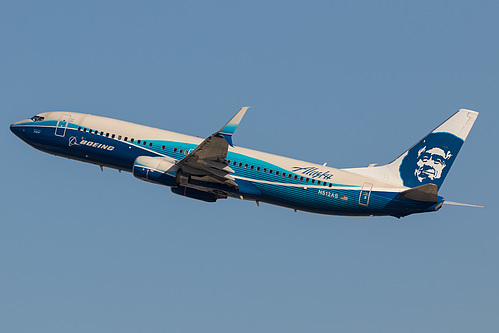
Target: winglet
{"points": [[228, 130]]}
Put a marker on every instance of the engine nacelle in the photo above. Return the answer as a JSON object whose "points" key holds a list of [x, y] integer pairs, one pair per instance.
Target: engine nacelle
{"points": [[164, 171], [197, 194], [159, 170]]}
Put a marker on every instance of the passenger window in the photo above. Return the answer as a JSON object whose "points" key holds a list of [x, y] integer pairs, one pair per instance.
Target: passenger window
{"points": [[79, 128], [102, 133], [126, 138], [306, 179], [84, 129], [284, 174], [246, 166], [112, 136], [252, 167], [131, 140], [330, 184], [318, 182], [234, 163], [277, 173], [163, 147], [181, 151], [240, 164], [107, 135], [296, 177], [271, 172], [301, 178], [264, 169], [138, 142], [144, 143], [175, 150], [257, 168]]}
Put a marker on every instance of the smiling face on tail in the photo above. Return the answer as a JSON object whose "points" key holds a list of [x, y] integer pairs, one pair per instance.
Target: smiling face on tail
{"points": [[430, 160]]}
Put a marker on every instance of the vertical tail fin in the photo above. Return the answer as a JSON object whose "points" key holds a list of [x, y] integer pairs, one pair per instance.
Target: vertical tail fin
{"points": [[429, 160]]}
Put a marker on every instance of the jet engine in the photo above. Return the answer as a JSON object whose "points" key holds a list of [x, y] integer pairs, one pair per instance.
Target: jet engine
{"points": [[164, 171], [159, 170]]}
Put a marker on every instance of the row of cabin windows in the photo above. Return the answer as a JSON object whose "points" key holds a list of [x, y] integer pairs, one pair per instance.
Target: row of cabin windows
{"points": [[277, 173], [181, 151], [234, 163], [257, 168], [132, 140]]}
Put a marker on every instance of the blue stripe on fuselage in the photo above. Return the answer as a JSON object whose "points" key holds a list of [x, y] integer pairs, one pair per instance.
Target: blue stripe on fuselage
{"points": [[266, 187]]}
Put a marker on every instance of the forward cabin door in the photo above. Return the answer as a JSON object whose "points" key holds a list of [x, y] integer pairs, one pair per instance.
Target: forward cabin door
{"points": [[365, 194], [62, 124]]}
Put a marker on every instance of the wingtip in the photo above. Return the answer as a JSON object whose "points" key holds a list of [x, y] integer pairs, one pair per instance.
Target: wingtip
{"points": [[232, 124]]}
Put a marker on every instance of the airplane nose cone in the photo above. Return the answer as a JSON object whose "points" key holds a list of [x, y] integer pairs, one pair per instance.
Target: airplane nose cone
{"points": [[17, 129], [14, 129]]}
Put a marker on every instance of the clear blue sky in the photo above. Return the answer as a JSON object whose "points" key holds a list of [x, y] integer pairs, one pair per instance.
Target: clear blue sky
{"points": [[344, 82]]}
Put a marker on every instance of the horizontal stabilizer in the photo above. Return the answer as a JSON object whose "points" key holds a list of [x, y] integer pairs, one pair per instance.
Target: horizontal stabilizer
{"points": [[425, 193], [461, 204]]}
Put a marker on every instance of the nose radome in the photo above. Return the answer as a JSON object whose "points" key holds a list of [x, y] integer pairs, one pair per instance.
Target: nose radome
{"points": [[17, 128], [14, 128]]}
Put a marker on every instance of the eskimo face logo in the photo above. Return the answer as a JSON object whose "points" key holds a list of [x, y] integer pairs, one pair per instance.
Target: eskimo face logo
{"points": [[430, 159], [431, 163], [73, 141]]}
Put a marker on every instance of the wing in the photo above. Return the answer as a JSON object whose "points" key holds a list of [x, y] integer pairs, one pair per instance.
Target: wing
{"points": [[208, 160]]}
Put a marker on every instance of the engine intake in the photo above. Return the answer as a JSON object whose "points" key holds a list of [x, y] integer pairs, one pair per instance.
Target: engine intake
{"points": [[159, 170]]}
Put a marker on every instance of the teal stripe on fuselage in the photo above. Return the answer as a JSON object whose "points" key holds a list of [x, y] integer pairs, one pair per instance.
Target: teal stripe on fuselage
{"points": [[283, 191]]}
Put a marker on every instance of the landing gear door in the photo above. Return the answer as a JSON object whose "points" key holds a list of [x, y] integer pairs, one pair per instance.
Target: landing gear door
{"points": [[365, 194], [62, 124]]}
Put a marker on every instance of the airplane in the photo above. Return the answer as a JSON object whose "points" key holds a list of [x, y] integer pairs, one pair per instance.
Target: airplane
{"points": [[214, 168]]}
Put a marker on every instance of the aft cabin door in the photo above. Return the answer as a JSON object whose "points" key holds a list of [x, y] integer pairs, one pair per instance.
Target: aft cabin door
{"points": [[62, 124], [365, 194]]}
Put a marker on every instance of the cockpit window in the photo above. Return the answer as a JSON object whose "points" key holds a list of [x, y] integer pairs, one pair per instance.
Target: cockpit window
{"points": [[37, 118]]}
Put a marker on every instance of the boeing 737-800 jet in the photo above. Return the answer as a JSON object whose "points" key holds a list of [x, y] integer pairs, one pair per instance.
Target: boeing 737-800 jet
{"points": [[214, 168]]}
